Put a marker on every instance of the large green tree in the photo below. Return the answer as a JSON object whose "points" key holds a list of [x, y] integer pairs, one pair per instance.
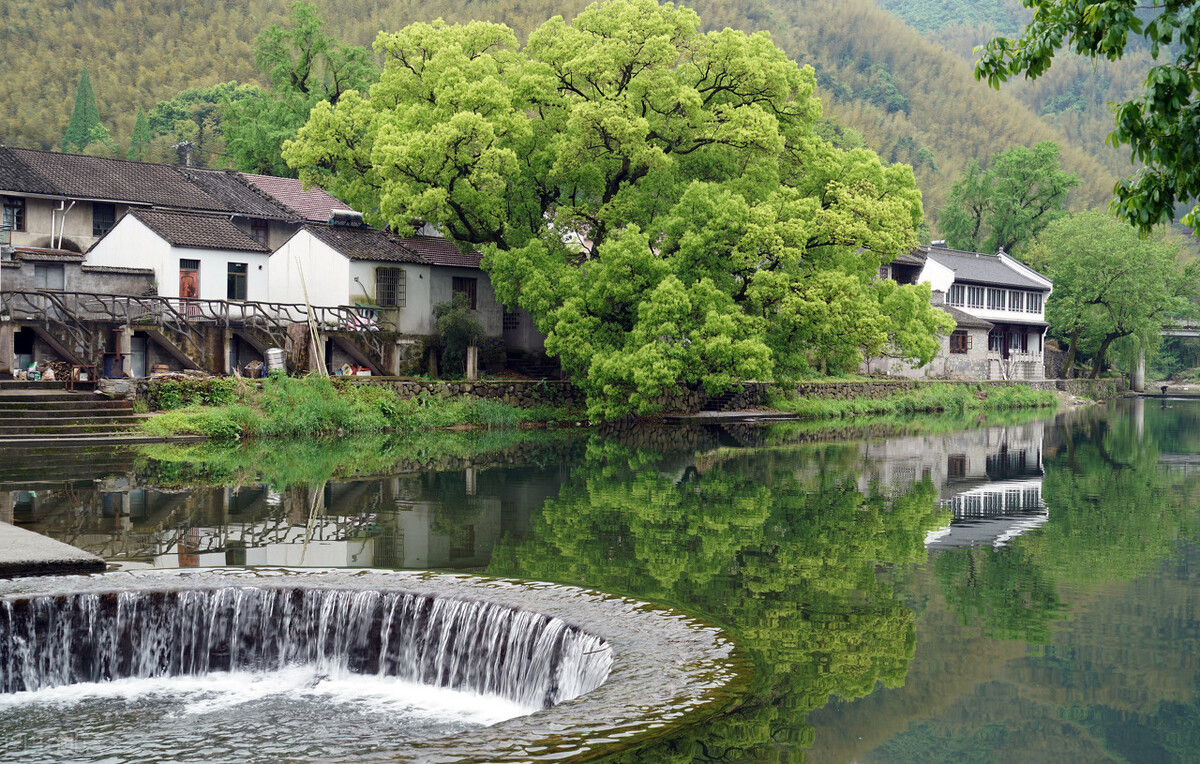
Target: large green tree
{"points": [[655, 197], [84, 127], [1110, 283], [305, 66], [1006, 203], [193, 117], [1160, 125]]}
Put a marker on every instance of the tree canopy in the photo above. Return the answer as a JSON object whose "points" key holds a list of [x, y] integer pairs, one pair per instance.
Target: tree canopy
{"points": [[305, 66], [1159, 126], [1006, 203], [194, 116], [1110, 283], [657, 198], [85, 127]]}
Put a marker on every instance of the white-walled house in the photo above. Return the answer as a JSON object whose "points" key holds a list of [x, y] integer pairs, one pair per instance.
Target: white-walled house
{"points": [[998, 304], [205, 257], [402, 277]]}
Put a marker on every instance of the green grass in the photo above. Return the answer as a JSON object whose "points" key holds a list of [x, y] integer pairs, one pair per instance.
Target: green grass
{"points": [[955, 399], [284, 407]]}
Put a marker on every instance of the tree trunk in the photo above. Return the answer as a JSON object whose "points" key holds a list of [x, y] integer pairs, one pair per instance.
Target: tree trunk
{"points": [[1099, 363], [1069, 363]]}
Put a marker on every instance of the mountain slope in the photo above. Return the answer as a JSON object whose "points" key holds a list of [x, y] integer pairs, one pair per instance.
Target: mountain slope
{"points": [[909, 98]]}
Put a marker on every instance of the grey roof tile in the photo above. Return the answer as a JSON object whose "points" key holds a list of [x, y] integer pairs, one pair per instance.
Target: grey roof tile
{"points": [[362, 243], [182, 229], [982, 269]]}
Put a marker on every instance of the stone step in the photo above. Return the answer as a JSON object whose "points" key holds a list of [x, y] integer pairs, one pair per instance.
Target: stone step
{"points": [[34, 422], [17, 431], [20, 415], [18, 384], [67, 404], [29, 397]]}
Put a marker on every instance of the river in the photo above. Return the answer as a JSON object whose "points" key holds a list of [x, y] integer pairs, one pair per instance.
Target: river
{"points": [[1022, 587]]}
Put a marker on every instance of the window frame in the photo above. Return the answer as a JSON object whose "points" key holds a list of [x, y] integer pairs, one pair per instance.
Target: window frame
{"points": [[42, 271], [394, 280], [467, 285], [976, 296], [1033, 302], [100, 225], [957, 296], [960, 341], [236, 281], [1016, 300], [996, 298], [16, 219], [260, 231]]}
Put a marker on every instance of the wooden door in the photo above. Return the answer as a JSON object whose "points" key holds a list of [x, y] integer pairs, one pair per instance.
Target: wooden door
{"points": [[189, 285]]}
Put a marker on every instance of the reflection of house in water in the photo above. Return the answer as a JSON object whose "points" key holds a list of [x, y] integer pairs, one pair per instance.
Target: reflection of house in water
{"points": [[990, 479], [450, 519]]}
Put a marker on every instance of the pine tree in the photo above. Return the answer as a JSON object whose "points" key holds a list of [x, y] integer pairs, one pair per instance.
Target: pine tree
{"points": [[140, 140], [85, 117]]}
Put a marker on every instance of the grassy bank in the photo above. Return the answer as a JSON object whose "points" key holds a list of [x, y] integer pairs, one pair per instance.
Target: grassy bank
{"points": [[282, 406], [934, 398]]}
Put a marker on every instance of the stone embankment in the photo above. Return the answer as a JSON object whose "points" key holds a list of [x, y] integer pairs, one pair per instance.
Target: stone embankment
{"points": [[528, 393]]}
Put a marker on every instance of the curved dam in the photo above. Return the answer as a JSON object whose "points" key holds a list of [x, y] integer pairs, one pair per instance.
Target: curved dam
{"points": [[335, 665]]}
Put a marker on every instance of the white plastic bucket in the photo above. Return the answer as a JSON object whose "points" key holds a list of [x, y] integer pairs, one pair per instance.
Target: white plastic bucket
{"points": [[275, 360]]}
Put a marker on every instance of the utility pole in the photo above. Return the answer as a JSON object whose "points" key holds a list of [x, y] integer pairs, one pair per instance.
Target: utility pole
{"points": [[185, 152]]}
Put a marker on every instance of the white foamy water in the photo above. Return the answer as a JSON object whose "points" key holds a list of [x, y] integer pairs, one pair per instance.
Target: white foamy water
{"points": [[295, 713]]}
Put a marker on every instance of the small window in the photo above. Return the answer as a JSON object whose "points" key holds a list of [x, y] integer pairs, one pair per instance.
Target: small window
{"points": [[236, 282], [995, 340], [1034, 303], [1016, 300], [14, 212], [103, 217], [467, 287], [512, 320], [48, 276], [260, 231], [995, 299], [975, 297], [960, 341], [957, 296], [956, 465], [390, 287]]}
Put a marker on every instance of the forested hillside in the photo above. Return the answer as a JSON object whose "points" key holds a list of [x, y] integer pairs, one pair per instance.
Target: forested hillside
{"points": [[1075, 92], [905, 95]]}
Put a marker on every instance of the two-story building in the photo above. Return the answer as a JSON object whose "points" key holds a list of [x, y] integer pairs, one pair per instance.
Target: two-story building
{"points": [[998, 304]]}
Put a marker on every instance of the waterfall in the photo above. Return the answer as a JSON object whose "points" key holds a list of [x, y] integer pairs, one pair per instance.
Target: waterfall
{"points": [[526, 657]]}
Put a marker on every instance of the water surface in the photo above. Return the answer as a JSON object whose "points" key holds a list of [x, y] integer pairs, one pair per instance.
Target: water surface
{"points": [[1021, 589]]}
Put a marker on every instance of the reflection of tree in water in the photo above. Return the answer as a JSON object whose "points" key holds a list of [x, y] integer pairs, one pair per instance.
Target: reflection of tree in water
{"points": [[1001, 589], [779, 547]]}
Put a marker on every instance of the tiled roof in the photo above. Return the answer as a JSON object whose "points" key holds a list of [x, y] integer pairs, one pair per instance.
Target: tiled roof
{"points": [[236, 194], [440, 251], [964, 320], [15, 175], [362, 243], [182, 229], [87, 177], [116, 269], [45, 253], [314, 205], [916, 257], [982, 269]]}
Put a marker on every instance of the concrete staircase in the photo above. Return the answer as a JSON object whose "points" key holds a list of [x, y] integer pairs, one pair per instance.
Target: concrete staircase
{"points": [[33, 413]]}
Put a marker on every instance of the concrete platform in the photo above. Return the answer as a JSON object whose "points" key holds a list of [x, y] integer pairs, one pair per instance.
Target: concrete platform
{"points": [[25, 553]]}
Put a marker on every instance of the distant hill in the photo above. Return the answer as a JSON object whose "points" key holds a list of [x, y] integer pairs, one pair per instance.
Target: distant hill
{"points": [[906, 95]]}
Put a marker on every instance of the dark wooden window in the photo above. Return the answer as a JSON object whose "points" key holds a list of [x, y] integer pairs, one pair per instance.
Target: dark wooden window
{"points": [[103, 217], [235, 284], [956, 465], [960, 341], [260, 231], [512, 320], [995, 340], [14, 212], [467, 287], [390, 286]]}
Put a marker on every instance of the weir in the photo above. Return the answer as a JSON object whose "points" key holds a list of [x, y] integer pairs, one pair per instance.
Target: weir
{"points": [[525, 657], [235, 664]]}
